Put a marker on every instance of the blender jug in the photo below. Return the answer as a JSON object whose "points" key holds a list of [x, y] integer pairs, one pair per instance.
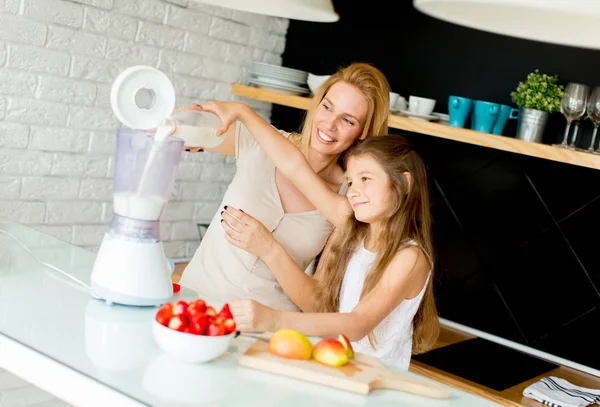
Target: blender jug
{"points": [[131, 267], [145, 172]]}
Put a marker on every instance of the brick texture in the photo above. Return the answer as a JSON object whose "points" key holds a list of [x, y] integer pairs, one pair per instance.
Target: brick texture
{"points": [[58, 59]]}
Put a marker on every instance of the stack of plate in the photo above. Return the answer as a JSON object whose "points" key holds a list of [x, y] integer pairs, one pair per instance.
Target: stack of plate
{"points": [[278, 78]]}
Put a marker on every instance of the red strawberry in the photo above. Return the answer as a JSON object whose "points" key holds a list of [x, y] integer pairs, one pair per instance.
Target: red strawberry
{"points": [[198, 324], [225, 313], [229, 325], [211, 311], [180, 308], [199, 303], [215, 330], [164, 314], [178, 323]]}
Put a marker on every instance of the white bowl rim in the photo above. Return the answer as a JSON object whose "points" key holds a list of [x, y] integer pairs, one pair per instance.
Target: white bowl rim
{"points": [[155, 322]]}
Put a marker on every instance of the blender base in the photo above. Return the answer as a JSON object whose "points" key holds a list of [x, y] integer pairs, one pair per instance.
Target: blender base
{"points": [[112, 297], [131, 272]]}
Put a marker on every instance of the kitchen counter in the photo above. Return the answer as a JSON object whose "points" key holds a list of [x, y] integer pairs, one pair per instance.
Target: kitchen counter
{"points": [[54, 334]]}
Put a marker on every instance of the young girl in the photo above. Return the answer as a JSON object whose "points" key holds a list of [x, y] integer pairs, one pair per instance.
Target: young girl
{"points": [[374, 280]]}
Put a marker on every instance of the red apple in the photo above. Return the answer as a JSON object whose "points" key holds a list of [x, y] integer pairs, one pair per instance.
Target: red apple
{"points": [[330, 352], [347, 345]]}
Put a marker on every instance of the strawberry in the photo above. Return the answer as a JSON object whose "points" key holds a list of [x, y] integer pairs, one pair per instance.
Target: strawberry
{"points": [[196, 309], [199, 303], [198, 324], [180, 308], [164, 314], [229, 325], [225, 313], [178, 323], [211, 311], [176, 287], [215, 330]]}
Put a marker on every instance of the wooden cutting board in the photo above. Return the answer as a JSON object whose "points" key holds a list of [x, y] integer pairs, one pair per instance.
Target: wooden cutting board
{"points": [[360, 375]]}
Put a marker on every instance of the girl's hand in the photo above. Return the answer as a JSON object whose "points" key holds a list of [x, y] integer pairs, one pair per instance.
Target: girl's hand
{"points": [[228, 112], [245, 232], [252, 316]]}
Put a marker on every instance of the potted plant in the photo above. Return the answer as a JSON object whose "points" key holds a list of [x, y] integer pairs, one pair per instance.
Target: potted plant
{"points": [[536, 98]]}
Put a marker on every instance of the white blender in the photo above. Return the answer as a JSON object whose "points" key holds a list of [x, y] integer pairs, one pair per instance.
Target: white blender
{"points": [[131, 267]]}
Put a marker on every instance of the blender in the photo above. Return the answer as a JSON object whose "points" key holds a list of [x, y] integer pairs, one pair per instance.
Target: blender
{"points": [[131, 267]]}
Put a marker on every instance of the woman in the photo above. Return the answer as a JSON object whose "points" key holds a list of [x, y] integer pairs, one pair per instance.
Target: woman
{"points": [[352, 104]]}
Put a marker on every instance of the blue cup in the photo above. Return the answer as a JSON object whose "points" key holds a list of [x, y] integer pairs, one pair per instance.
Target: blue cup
{"points": [[484, 116], [458, 110], [505, 113]]}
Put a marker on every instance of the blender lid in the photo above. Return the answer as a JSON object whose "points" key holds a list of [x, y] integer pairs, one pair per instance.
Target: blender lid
{"points": [[142, 97]]}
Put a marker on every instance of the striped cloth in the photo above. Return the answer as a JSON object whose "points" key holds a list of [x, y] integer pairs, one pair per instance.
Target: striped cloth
{"points": [[557, 392]]}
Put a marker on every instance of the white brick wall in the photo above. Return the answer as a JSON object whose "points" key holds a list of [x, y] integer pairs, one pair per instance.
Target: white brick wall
{"points": [[58, 59]]}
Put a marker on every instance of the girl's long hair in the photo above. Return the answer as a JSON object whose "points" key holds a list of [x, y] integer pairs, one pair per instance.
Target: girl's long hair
{"points": [[371, 82], [408, 219]]}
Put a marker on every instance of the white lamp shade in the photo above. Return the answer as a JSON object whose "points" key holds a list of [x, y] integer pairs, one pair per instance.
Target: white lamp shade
{"points": [[306, 10], [565, 22]]}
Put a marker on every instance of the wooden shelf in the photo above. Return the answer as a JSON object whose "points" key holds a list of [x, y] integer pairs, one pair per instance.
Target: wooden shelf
{"points": [[513, 145]]}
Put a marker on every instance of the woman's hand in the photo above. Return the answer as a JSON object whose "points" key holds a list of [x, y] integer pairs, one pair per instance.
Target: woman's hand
{"points": [[228, 112], [245, 232], [252, 316], [193, 106]]}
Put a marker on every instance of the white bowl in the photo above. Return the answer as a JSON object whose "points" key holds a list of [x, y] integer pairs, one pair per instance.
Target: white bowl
{"points": [[315, 81], [190, 348]]}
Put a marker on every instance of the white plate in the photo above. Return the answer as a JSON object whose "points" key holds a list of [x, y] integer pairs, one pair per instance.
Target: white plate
{"points": [[277, 88], [279, 75], [419, 116], [443, 117], [278, 81], [261, 66]]}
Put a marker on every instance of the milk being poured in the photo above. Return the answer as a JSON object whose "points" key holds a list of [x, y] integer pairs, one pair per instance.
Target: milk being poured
{"points": [[195, 128]]}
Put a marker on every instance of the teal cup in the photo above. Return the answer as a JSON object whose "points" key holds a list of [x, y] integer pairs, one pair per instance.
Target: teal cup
{"points": [[505, 113], [458, 110], [484, 116]]}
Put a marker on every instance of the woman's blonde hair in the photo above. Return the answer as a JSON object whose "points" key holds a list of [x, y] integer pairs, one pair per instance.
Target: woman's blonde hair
{"points": [[408, 219], [371, 82]]}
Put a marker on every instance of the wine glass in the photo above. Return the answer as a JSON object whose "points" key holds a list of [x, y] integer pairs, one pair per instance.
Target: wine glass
{"points": [[573, 144], [572, 106], [593, 113]]}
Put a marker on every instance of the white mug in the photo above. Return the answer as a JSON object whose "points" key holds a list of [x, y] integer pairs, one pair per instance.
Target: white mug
{"points": [[393, 98], [420, 105], [400, 104]]}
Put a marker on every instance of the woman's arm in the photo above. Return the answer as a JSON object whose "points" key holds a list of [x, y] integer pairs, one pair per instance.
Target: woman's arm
{"points": [[247, 233], [406, 273], [287, 158]]}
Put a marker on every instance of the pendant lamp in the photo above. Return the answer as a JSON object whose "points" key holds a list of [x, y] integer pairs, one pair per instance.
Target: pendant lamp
{"points": [[565, 22]]}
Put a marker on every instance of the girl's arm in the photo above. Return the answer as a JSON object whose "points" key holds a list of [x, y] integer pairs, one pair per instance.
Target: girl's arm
{"points": [[287, 158], [405, 274], [247, 233]]}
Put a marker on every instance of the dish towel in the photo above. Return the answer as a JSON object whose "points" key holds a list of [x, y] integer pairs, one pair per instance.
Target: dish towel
{"points": [[556, 392]]}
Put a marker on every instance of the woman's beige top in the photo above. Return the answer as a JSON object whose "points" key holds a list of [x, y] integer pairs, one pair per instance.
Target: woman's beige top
{"points": [[224, 272]]}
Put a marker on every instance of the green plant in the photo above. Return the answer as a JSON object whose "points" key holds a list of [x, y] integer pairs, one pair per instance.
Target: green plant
{"points": [[540, 92]]}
